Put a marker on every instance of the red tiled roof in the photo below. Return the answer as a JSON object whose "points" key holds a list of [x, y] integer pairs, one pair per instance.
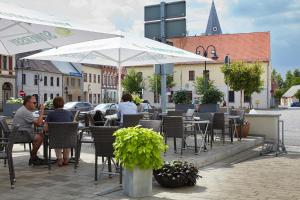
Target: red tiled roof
{"points": [[246, 47]]}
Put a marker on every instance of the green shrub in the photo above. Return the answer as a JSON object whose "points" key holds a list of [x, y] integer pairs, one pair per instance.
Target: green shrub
{"points": [[212, 95], [139, 147], [49, 104], [182, 97], [136, 99], [12, 100]]}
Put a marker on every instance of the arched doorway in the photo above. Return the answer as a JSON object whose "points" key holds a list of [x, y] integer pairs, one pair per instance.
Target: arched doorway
{"points": [[7, 91]]}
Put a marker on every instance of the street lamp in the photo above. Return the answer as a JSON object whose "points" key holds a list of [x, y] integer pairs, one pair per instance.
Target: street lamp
{"points": [[200, 50], [227, 63]]}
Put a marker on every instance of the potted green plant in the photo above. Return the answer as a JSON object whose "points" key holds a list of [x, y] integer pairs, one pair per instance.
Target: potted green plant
{"points": [[139, 150], [210, 99], [182, 100], [137, 100], [176, 174], [12, 105]]}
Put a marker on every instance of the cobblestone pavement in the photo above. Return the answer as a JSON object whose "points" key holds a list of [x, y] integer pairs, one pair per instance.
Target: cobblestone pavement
{"points": [[262, 178], [291, 124]]}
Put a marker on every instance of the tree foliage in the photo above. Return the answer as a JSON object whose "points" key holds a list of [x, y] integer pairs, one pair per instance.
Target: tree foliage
{"points": [[155, 83], [243, 77], [199, 85], [133, 82], [182, 97]]}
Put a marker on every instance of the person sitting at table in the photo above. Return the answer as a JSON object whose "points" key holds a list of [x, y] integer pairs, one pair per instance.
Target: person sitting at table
{"points": [[60, 115], [126, 106], [26, 121]]}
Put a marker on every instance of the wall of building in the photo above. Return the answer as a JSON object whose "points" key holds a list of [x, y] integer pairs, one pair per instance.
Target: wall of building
{"points": [[181, 79], [39, 88], [109, 84], [92, 84], [71, 88]]}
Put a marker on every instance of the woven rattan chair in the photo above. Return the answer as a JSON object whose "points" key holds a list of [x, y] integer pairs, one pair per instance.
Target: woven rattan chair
{"points": [[7, 143], [103, 140], [156, 125], [219, 124], [131, 120], [63, 135], [175, 113]]}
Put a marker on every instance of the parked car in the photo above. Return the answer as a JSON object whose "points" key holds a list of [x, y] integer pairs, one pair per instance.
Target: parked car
{"points": [[75, 105], [103, 107], [295, 104]]}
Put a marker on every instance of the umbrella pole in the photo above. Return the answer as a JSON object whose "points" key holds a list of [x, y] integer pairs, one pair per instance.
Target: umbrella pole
{"points": [[119, 83]]}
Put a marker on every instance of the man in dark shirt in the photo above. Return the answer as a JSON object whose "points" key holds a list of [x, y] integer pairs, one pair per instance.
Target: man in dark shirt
{"points": [[60, 115]]}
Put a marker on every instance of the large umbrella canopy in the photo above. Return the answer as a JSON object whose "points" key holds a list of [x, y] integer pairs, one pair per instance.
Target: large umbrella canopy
{"points": [[120, 52], [23, 30]]}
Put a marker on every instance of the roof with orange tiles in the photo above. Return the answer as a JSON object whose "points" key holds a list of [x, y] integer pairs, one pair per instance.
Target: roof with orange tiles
{"points": [[247, 47]]}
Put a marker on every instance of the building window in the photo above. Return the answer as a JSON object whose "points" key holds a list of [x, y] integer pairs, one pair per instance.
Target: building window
{"points": [[45, 97], [94, 78], [51, 96], [90, 78], [90, 98], [67, 81], [247, 99], [104, 80], [99, 98], [57, 95], [24, 79], [98, 78], [191, 75], [45, 81], [57, 81], [79, 82], [231, 96], [4, 64], [206, 73], [85, 77], [72, 82], [36, 79], [51, 81], [79, 98], [95, 98]]}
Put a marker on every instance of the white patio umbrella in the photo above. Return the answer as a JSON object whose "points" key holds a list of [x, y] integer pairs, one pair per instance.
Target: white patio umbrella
{"points": [[119, 52], [23, 30]]}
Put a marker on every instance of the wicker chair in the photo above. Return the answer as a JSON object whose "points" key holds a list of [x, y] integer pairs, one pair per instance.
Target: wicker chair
{"points": [[131, 120], [173, 127], [7, 142], [63, 135], [152, 124], [103, 140], [175, 113], [240, 121], [209, 117], [219, 124]]}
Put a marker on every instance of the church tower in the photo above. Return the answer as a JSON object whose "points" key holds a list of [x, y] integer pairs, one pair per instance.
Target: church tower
{"points": [[213, 24]]}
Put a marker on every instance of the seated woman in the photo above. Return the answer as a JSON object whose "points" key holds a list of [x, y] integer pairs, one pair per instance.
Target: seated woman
{"points": [[60, 115], [126, 106]]}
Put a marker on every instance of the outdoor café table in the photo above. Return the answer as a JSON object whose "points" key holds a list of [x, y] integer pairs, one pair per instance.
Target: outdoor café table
{"points": [[109, 119], [234, 119], [198, 123]]}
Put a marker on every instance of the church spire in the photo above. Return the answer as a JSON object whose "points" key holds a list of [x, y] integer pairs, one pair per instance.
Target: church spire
{"points": [[213, 25]]}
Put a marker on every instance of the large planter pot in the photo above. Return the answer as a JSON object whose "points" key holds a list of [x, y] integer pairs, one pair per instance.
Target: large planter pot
{"points": [[210, 107], [184, 107], [8, 109], [245, 130], [138, 182]]}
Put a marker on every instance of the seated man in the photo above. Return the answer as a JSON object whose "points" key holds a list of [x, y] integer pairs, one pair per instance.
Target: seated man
{"points": [[24, 118], [126, 106], [60, 115]]}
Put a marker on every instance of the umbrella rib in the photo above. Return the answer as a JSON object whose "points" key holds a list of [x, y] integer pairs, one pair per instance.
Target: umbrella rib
{"points": [[9, 26], [84, 57], [105, 56], [5, 47], [40, 37], [141, 53]]}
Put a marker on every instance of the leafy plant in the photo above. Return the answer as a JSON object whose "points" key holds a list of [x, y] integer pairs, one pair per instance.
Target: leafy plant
{"points": [[297, 95], [133, 82], [176, 174], [49, 104], [243, 77], [212, 95], [139, 147], [136, 99], [155, 83], [182, 97], [199, 85], [12, 100]]}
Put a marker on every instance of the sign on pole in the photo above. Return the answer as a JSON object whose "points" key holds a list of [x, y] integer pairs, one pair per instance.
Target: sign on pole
{"points": [[22, 93]]}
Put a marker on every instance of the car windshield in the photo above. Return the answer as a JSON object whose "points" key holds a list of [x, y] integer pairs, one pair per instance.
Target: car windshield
{"points": [[101, 106], [69, 105]]}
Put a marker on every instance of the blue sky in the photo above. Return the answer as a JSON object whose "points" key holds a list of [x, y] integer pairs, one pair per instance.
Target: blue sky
{"points": [[280, 17]]}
